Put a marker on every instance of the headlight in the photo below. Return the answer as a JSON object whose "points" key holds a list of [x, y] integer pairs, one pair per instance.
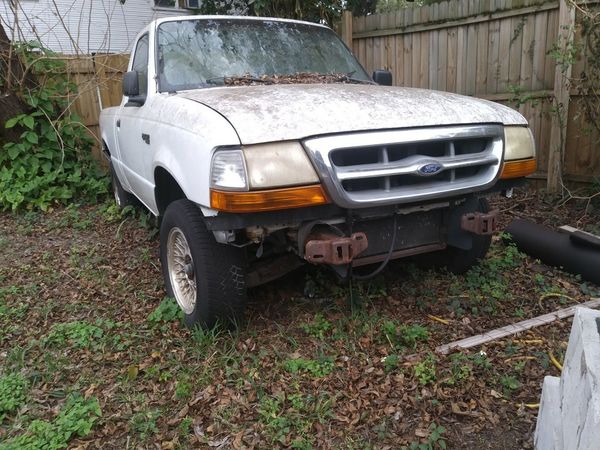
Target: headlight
{"points": [[518, 143], [519, 153], [228, 171], [262, 166], [275, 176], [277, 165]]}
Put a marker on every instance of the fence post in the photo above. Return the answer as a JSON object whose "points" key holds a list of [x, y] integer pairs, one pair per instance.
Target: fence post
{"points": [[560, 116], [347, 28]]}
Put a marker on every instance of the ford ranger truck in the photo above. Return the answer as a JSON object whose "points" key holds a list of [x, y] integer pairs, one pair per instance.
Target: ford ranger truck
{"points": [[262, 144]]}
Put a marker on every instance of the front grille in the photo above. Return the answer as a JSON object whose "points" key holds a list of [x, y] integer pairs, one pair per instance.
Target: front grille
{"points": [[364, 169]]}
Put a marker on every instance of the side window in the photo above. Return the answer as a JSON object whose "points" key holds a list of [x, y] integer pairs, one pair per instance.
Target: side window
{"points": [[140, 63]]}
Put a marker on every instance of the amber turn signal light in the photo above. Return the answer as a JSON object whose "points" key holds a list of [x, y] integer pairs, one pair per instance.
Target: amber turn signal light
{"points": [[268, 200], [517, 169]]}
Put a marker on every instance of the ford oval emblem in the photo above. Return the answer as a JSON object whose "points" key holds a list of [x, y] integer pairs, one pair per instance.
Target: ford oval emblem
{"points": [[430, 169]]}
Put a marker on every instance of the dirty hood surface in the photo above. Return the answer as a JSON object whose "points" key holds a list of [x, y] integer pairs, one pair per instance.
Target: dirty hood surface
{"points": [[296, 111]]}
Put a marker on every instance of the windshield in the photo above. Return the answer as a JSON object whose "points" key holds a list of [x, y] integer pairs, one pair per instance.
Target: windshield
{"points": [[205, 52]]}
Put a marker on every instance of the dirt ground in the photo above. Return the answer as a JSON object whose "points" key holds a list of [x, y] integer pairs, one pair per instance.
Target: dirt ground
{"points": [[101, 359]]}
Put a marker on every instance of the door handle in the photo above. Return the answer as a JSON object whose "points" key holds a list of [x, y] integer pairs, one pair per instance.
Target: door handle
{"points": [[118, 123], [146, 138]]}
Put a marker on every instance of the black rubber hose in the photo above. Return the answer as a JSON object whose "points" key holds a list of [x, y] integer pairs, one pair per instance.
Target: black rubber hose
{"points": [[556, 249]]}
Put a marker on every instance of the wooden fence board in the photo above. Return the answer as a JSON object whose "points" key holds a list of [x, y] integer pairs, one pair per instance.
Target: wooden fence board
{"points": [[482, 59]]}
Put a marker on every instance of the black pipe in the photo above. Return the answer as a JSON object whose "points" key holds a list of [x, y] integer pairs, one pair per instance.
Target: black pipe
{"points": [[557, 249]]}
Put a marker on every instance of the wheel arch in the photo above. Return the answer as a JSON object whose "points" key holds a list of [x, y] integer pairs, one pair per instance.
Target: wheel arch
{"points": [[166, 189]]}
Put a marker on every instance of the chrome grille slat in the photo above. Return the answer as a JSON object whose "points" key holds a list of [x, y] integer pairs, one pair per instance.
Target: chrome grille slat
{"points": [[411, 167], [385, 167]]}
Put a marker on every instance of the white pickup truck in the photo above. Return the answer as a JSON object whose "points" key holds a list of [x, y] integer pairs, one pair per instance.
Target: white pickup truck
{"points": [[261, 144]]}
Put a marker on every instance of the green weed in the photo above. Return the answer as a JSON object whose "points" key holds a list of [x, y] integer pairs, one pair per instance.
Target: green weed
{"points": [[317, 368], [14, 389], [404, 335], [425, 371], [167, 311], [77, 334], [293, 414], [390, 362], [76, 418], [509, 384], [318, 328]]}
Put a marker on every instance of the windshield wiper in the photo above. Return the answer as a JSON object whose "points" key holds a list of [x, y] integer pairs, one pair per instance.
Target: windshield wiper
{"points": [[348, 77]]}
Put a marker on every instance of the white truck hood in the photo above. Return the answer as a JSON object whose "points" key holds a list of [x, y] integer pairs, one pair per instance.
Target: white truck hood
{"points": [[296, 111]]}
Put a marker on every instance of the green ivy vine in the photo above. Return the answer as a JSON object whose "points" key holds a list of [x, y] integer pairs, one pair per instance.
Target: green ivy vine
{"points": [[51, 162]]}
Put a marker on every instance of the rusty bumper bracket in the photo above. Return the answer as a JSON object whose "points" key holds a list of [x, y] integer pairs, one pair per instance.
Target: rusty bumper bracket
{"points": [[325, 248], [480, 223]]}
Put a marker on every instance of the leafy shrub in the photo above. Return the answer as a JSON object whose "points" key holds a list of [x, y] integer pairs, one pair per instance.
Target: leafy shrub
{"points": [[51, 162]]}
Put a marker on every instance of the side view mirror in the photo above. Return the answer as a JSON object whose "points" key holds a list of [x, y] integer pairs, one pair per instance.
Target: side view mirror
{"points": [[131, 89], [382, 77]]}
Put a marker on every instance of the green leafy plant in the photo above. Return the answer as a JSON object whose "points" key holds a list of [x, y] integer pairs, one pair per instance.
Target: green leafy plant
{"points": [[425, 371], [509, 383], [14, 389], [390, 362], [78, 334], [318, 328], [317, 368], [166, 311], [76, 418], [293, 414], [51, 162], [404, 335]]}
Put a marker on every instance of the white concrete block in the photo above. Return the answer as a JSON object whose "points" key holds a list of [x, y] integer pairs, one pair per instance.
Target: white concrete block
{"points": [[580, 384], [548, 430]]}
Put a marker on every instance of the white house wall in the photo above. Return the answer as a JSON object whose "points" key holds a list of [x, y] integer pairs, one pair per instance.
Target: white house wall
{"points": [[82, 26]]}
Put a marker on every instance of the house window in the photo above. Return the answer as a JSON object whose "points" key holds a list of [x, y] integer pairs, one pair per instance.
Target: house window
{"points": [[165, 3]]}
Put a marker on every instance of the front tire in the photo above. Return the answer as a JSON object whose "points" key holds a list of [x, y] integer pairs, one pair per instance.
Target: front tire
{"points": [[207, 279], [122, 197]]}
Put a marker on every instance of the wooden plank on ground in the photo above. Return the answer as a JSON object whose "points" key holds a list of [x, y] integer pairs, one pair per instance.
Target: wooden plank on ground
{"points": [[515, 328]]}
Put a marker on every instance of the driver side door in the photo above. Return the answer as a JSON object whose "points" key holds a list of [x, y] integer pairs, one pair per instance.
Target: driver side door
{"points": [[133, 144]]}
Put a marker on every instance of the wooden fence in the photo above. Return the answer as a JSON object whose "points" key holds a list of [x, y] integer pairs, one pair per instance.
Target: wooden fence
{"points": [[98, 79], [501, 50]]}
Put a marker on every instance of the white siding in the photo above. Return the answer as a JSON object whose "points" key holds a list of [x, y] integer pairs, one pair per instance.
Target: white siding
{"points": [[82, 26]]}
